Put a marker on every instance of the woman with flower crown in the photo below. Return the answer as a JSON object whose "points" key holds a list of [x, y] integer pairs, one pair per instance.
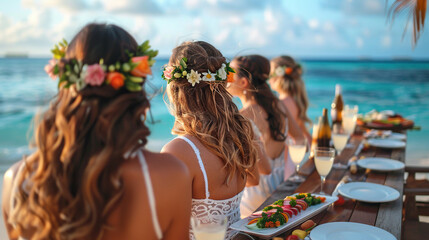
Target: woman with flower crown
{"points": [[285, 79], [270, 118], [215, 141], [90, 176]]}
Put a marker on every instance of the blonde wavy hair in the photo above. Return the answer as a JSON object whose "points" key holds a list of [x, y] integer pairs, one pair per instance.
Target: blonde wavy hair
{"points": [[71, 185], [207, 112], [292, 84]]}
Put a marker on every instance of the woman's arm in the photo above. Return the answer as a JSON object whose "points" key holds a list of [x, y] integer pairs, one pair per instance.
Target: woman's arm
{"points": [[180, 195], [305, 131], [8, 179], [263, 161], [294, 129]]}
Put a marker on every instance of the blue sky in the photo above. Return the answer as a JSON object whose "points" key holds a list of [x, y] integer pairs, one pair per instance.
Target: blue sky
{"points": [[302, 28]]}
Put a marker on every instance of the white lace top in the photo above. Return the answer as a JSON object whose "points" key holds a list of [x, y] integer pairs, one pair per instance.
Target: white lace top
{"points": [[208, 208]]}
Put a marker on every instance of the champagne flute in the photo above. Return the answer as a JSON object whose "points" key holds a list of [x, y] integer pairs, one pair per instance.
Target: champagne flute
{"points": [[350, 118], [297, 150], [340, 138], [213, 229], [323, 158]]}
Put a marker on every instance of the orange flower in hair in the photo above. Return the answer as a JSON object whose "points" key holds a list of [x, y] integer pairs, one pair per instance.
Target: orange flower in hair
{"points": [[288, 70], [230, 77], [142, 68], [115, 79]]}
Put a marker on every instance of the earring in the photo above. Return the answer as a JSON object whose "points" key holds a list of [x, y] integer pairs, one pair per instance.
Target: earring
{"points": [[244, 92]]}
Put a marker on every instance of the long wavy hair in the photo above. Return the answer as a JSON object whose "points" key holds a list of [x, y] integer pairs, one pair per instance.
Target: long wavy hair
{"points": [[256, 69], [207, 112], [71, 185], [292, 84]]}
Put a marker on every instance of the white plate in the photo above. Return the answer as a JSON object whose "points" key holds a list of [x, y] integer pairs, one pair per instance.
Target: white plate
{"points": [[397, 136], [381, 164], [349, 231], [386, 143], [368, 192], [294, 221]]}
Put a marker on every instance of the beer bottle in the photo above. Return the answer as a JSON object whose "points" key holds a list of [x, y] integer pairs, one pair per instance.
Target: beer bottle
{"points": [[337, 106], [324, 133]]}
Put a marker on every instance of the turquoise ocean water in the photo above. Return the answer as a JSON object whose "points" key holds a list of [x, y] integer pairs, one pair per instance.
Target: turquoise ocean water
{"points": [[25, 90]]}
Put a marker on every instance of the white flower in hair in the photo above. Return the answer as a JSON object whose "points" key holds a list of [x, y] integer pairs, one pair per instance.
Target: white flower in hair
{"points": [[280, 71], [193, 77], [209, 77], [222, 72]]}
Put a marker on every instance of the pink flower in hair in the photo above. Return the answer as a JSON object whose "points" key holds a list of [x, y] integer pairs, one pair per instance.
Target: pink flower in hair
{"points": [[94, 75], [167, 72], [50, 67]]}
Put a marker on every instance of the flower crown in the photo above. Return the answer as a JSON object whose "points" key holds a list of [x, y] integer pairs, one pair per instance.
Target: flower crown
{"points": [[280, 71], [224, 73], [129, 74]]}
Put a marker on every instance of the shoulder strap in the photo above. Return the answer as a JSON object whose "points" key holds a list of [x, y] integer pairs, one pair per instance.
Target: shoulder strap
{"points": [[150, 194], [200, 162]]}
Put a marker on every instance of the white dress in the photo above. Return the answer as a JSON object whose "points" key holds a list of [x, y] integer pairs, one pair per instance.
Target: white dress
{"points": [[254, 196], [147, 180], [207, 208]]}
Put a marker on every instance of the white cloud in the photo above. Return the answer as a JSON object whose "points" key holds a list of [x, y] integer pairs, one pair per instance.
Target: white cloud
{"points": [[270, 20], [386, 41], [356, 7], [359, 42], [329, 27], [132, 6], [313, 23], [64, 5]]}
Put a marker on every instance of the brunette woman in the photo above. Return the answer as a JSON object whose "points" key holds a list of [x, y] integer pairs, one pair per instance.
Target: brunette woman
{"points": [[215, 141], [90, 176], [270, 117], [286, 80]]}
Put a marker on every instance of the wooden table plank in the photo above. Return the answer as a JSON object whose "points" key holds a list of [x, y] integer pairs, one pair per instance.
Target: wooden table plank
{"points": [[389, 215]]}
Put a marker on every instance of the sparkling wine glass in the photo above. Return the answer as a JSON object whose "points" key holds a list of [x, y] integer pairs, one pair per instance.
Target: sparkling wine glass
{"points": [[340, 138], [323, 158], [213, 229], [297, 150], [350, 114], [349, 118]]}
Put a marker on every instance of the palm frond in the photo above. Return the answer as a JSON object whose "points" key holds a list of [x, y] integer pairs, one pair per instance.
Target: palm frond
{"points": [[416, 10]]}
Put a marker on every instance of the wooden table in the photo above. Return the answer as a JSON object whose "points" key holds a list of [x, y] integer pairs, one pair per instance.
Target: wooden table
{"points": [[387, 216]]}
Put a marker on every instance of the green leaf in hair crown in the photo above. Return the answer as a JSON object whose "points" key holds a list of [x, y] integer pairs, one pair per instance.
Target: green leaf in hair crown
{"points": [[129, 75], [182, 71]]}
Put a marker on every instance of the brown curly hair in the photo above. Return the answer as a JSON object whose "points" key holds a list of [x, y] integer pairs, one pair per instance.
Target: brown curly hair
{"points": [[69, 187], [256, 69], [207, 111], [292, 84]]}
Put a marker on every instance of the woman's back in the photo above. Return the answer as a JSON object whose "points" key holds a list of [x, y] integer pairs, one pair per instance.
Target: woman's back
{"points": [[211, 197], [258, 115], [213, 166], [132, 217]]}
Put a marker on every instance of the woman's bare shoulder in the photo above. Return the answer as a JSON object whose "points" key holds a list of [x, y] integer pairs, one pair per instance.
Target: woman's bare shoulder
{"points": [[159, 164], [181, 150]]}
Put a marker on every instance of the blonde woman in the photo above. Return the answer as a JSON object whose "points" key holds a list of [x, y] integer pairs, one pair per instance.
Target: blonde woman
{"points": [[90, 176], [215, 141], [285, 79], [272, 120]]}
